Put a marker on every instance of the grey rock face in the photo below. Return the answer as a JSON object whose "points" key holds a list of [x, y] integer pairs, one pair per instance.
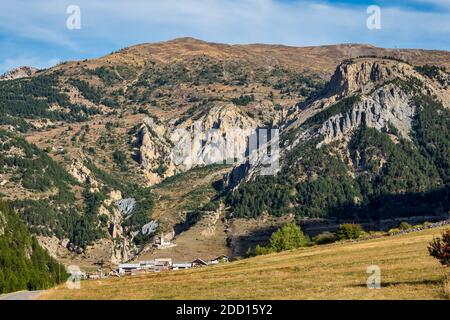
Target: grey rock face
{"points": [[364, 75], [385, 107], [126, 206], [386, 89], [217, 136], [150, 228]]}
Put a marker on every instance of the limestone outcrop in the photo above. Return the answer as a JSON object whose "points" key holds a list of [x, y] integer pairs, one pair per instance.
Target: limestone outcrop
{"points": [[219, 135]]}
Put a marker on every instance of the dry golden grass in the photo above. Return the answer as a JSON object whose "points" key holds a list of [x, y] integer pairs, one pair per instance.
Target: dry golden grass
{"points": [[336, 271], [447, 286]]}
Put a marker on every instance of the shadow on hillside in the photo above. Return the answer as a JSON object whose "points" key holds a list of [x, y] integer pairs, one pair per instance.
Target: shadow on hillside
{"points": [[387, 284], [432, 203], [240, 245], [191, 219]]}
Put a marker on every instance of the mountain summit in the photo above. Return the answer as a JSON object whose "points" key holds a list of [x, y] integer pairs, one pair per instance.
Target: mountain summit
{"points": [[18, 73], [103, 158]]}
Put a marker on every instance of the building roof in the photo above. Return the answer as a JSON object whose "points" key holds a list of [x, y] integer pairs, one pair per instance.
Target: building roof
{"points": [[129, 265], [183, 265], [199, 261]]}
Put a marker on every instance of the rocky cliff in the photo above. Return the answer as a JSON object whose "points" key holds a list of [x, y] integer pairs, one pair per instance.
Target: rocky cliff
{"points": [[18, 73], [384, 91], [219, 135], [374, 129]]}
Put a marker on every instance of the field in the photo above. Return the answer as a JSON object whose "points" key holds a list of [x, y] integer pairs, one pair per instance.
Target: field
{"points": [[336, 271]]}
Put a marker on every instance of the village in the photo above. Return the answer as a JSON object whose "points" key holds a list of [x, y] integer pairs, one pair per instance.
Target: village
{"points": [[165, 264], [149, 266]]}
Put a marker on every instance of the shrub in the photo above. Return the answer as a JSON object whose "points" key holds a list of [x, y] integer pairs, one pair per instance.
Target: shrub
{"points": [[287, 238], [393, 231], [260, 250], [439, 248], [349, 231], [243, 100], [405, 226], [324, 238], [120, 159]]}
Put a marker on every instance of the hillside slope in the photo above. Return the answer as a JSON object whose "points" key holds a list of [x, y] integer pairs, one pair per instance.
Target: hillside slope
{"points": [[24, 265], [87, 146], [374, 144], [335, 271]]}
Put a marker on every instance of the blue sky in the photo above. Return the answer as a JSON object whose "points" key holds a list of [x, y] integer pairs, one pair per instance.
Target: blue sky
{"points": [[34, 32]]}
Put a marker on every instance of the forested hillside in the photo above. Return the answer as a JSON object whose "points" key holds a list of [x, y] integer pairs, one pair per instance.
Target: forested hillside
{"points": [[24, 264]]}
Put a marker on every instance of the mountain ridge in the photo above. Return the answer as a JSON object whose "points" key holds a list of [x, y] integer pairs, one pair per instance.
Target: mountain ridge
{"points": [[327, 56], [18, 73], [113, 125]]}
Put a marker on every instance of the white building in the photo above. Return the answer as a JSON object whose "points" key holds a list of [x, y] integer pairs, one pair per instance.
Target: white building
{"points": [[128, 267], [181, 266]]}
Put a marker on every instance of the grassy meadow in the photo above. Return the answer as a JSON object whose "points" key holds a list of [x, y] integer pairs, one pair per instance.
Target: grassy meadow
{"points": [[335, 271]]}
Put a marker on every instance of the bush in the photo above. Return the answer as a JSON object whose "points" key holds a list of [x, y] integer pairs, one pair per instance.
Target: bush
{"points": [[324, 238], [439, 248], [405, 226], [393, 231], [260, 250], [243, 100], [287, 238], [349, 231], [120, 159]]}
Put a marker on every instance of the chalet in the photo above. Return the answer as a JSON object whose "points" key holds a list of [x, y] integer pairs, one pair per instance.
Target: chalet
{"points": [[220, 259], [199, 263]]}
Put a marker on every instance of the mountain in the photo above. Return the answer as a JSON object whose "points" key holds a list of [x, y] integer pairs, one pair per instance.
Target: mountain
{"points": [[18, 73], [25, 265], [101, 157], [375, 144]]}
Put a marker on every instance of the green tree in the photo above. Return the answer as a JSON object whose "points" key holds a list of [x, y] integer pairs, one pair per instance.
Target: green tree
{"points": [[287, 238], [349, 231], [24, 264]]}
